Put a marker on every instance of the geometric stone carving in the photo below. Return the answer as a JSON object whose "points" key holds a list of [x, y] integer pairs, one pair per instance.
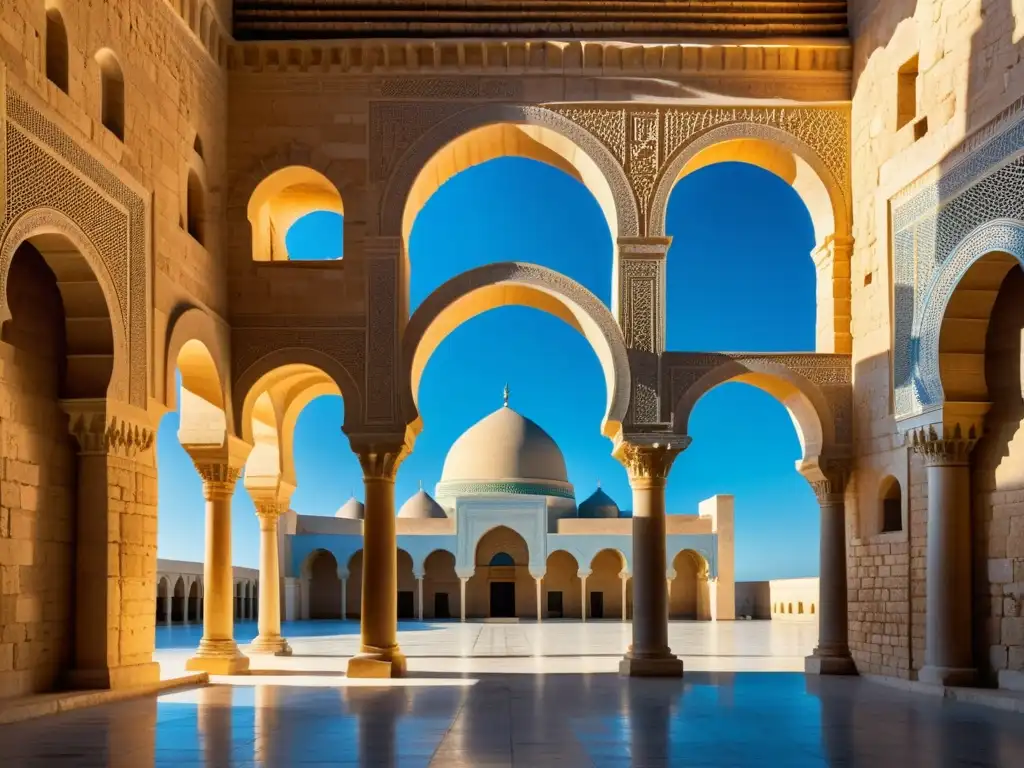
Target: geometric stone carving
{"points": [[48, 170], [941, 226]]}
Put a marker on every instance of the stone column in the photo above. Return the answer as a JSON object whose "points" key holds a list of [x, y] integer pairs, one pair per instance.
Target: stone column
{"points": [[344, 593], [462, 598], [625, 603], [114, 561], [540, 595], [419, 597], [648, 466], [219, 466], [184, 603], [379, 654], [583, 597], [948, 656], [167, 606], [832, 656], [269, 639]]}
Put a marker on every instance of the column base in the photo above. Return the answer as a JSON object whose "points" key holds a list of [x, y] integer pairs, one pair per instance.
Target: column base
{"points": [[823, 664], [114, 678], [958, 677], [657, 666], [377, 664], [218, 657], [270, 646]]}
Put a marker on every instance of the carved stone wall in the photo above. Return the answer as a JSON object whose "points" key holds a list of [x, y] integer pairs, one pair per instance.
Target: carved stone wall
{"points": [[47, 169], [940, 227]]}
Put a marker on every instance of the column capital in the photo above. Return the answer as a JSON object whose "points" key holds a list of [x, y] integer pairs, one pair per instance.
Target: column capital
{"points": [[100, 430], [643, 247], [220, 466], [952, 451], [648, 463], [828, 478], [381, 460]]}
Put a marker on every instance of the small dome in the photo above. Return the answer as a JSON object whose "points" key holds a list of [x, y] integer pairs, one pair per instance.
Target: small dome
{"points": [[504, 446], [421, 506], [599, 504], [351, 510]]}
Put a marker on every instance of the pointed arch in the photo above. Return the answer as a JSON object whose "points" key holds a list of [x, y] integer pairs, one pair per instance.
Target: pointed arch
{"points": [[112, 92]]}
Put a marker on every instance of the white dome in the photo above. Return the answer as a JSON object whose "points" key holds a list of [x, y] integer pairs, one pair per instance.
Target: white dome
{"points": [[351, 510], [421, 506], [501, 447]]}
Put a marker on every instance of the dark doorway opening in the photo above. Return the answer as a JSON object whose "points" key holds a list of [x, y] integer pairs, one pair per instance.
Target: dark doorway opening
{"points": [[503, 599], [441, 608], [597, 605], [406, 606], [555, 605]]}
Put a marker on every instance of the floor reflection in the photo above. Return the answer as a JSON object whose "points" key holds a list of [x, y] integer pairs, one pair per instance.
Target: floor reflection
{"points": [[707, 719]]}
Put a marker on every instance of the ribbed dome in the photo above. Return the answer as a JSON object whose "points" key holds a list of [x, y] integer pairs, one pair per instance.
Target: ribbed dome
{"points": [[501, 447], [351, 510], [421, 506], [599, 504]]}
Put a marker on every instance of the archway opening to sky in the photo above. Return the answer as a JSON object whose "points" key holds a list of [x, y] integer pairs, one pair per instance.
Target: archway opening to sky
{"points": [[296, 214], [513, 209], [740, 277]]}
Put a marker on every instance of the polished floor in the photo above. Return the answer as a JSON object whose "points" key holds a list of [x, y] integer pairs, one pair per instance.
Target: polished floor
{"points": [[481, 695], [524, 647], [708, 719]]}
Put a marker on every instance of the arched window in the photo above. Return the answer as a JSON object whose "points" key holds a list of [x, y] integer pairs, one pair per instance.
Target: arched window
{"points": [[812, 609], [790, 608], [800, 607], [195, 212], [56, 49], [197, 146], [892, 505], [112, 92], [502, 559]]}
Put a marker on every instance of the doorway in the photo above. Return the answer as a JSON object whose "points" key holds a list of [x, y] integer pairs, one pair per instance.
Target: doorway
{"points": [[406, 606], [597, 605], [441, 607], [503, 599]]}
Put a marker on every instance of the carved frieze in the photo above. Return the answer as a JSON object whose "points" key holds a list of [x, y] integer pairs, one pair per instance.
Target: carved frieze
{"points": [[46, 170], [967, 208]]}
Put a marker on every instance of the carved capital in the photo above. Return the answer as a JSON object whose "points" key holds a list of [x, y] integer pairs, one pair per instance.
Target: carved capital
{"points": [[380, 461], [268, 511], [219, 478], [88, 423], [952, 448], [649, 463], [829, 480]]}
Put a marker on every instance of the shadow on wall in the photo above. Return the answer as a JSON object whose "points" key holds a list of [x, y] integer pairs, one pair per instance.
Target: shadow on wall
{"points": [[955, 89]]}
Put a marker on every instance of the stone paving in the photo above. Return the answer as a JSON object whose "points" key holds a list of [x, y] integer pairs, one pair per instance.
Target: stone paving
{"points": [[482, 704]]}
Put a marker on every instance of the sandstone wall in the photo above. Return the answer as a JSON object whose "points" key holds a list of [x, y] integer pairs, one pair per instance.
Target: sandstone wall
{"points": [[968, 71], [37, 488], [175, 90]]}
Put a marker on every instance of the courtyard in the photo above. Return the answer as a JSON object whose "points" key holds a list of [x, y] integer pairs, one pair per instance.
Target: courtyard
{"points": [[523, 694]]}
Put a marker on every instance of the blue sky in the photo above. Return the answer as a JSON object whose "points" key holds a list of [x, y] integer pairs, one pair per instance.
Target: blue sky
{"points": [[740, 278]]}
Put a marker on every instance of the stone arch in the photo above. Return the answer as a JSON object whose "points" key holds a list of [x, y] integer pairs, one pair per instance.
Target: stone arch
{"points": [[514, 283], [282, 198], [806, 404], [354, 584], [480, 590], [320, 569], [978, 264], [440, 578], [606, 573], [689, 596], [823, 194], [191, 324], [69, 252], [306, 373], [112, 92], [57, 51], [562, 574], [889, 506], [625, 219]]}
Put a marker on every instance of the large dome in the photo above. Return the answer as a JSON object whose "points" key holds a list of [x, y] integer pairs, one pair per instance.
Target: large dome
{"points": [[504, 446]]}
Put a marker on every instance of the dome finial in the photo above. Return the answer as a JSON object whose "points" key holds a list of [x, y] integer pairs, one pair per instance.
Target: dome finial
{"points": [[506, 394], [599, 484], [421, 485]]}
